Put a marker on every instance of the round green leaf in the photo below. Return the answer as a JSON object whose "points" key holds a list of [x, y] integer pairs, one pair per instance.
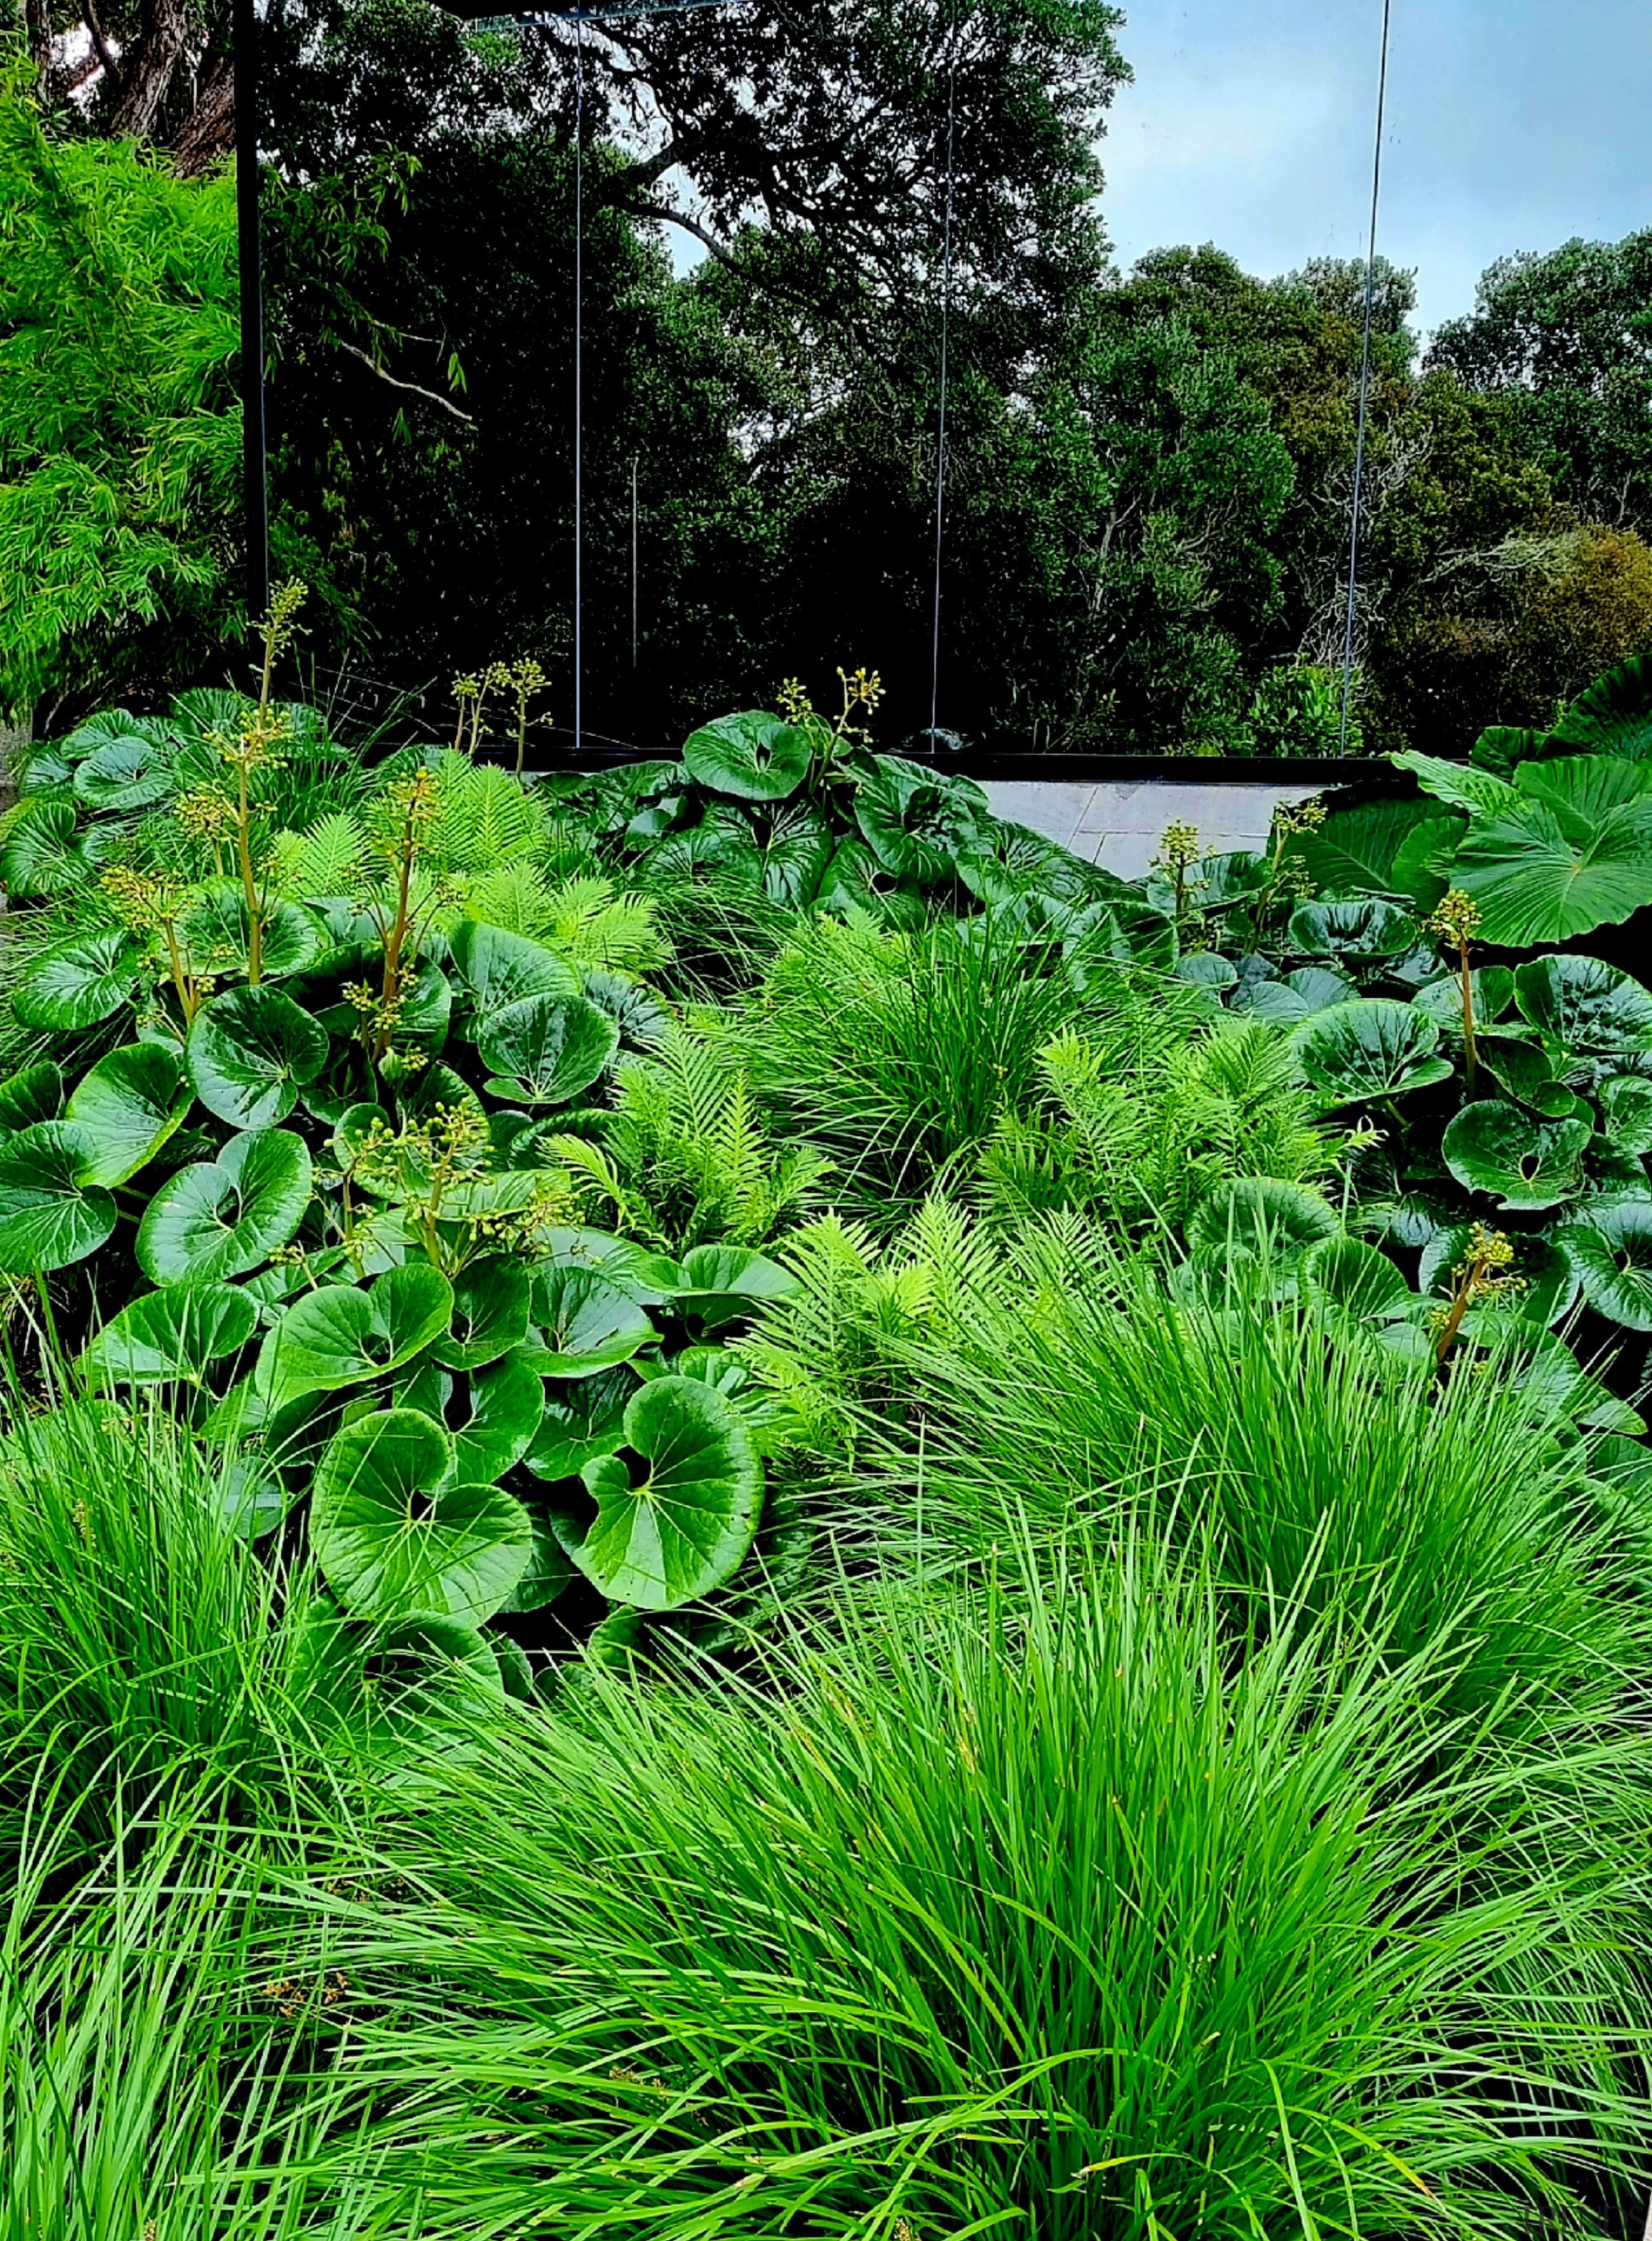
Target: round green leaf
{"points": [[42, 855], [1356, 1281], [795, 857], [753, 756], [50, 1215], [1551, 1387], [854, 879], [720, 847], [114, 727], [1525, 1162], [504, 1401], [640, 1016], [205, 711], [648, 1278], [1584, 1008], [1366, 926], [40, 768], [356, 1126], [1310, 989], [1611, 1251], [683, 1526], [549, 1569], [500, 968], [75, 983], [129, 1105], [226, 1216], [343, 1335], [916, 822], [1260, 1214], [170, 1337], [548, 1048], [587, 1420], [250, 1052], [489, 1314], [1521, 1070], [395, 1540], [1207, 968], [130, 772], [218, 936], [1370, 1048], [1491, 989], [1626, 1112], [721, 1281], [588, 1323], [36, 1093]]}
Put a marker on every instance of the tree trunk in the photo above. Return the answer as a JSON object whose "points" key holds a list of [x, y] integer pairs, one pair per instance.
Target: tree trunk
{"points": [[147, 70], [36, 17], [209, 132]]}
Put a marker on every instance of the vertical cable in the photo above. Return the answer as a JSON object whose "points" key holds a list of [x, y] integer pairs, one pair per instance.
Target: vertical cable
{"points": [[1365, 382], [633, 560], [945, 319], [254, 463], [578, 378]]}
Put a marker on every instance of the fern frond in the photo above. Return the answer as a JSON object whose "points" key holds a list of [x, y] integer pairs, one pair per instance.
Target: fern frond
{"points": [[484, 817], [514, 896], [594, 924], [326, 859]]}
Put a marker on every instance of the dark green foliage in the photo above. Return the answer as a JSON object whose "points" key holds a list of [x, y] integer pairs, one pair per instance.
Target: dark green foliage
{"points": [[120, 435], [1566, 338]]}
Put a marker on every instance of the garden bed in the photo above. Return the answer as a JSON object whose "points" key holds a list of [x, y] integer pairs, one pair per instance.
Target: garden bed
{"points": [[734, 1502]]}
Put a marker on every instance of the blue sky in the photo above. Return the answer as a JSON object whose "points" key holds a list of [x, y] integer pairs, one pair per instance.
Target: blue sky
{"points": [[1511, 124]]}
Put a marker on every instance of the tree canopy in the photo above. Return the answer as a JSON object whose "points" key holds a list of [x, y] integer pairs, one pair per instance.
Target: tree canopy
{"points": [[1147, 475]]}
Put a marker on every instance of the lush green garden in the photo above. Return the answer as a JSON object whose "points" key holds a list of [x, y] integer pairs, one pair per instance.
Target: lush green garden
{"points": [[732, 1505]]}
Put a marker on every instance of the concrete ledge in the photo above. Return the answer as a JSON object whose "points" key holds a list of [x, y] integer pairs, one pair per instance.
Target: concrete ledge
{"points": [[1119, 824]]}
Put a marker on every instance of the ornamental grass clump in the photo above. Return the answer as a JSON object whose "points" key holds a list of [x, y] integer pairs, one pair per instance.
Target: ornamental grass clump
{"points": [[167, 2068], [972, 1381], [1023, 1907], [142, 1641]]}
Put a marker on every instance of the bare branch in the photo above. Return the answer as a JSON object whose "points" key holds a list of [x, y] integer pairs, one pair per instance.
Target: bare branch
{"points": [[415, 388]]}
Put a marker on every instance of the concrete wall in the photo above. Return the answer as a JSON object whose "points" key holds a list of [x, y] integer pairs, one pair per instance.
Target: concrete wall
{"points": [[10, 741], [1117, 822]]}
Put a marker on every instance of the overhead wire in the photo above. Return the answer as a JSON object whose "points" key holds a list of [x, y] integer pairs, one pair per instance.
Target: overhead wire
{"points": [[579, 379], [946, 323], [1365, 384], [673, 6]]}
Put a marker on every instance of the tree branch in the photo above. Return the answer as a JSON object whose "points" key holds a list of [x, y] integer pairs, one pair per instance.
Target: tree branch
{"points": [[689, 225], [100, 45], [429, 395]]}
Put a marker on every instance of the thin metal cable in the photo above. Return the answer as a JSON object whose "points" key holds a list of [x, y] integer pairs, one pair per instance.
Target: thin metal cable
{"points": [[1365, 383], [578, 378], [945, 321]]}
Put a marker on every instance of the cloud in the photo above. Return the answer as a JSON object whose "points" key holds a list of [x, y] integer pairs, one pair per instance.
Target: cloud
{"points": [[1512, 125]]}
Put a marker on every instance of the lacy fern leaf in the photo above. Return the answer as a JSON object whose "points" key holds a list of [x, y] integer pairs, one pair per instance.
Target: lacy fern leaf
{"points": [[325, 860], [484, 817]]}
